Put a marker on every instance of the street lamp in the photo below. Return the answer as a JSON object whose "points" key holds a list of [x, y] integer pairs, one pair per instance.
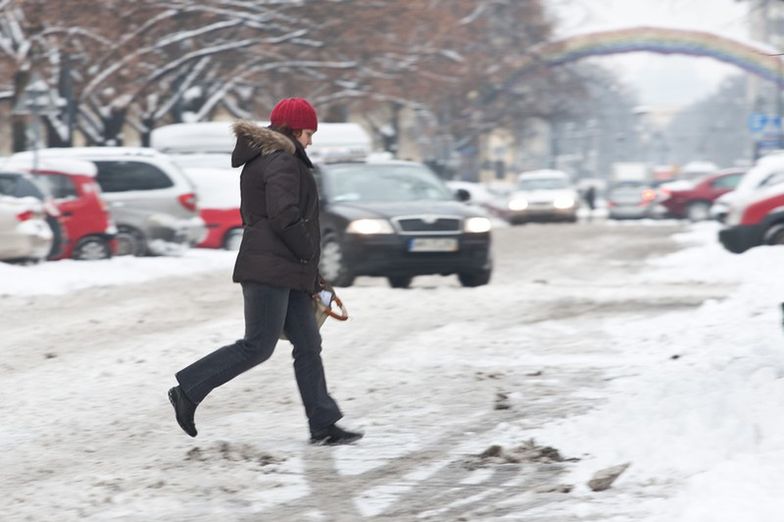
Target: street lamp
{"points": [[36, 101]]}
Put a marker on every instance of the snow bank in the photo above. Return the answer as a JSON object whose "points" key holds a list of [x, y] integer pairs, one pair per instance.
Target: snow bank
{"points": [[61, 277], [696, 402]]}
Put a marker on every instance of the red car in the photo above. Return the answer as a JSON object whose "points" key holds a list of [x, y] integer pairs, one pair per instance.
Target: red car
{"points": [[77, 195], [756, 220], [684, 199], [219, 205]]}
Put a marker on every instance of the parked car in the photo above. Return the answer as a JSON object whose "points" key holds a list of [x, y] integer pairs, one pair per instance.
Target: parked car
{"points": [[543, 195], [71, 182], [479, 195], [219, 205], [756, 219], [22, 185], [630, 200], [398, 220], [152, 202], [24, 233], [693, 200], [768, 171]]}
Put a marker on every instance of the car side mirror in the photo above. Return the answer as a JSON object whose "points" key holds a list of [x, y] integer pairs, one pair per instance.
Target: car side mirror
{"points": [[462, 195]]}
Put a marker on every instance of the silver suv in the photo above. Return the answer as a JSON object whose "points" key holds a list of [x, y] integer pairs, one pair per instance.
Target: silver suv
{"points": [[152, 202]]}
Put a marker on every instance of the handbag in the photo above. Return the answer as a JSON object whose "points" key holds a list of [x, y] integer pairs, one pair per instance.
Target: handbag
{"points": [[323, 302]]}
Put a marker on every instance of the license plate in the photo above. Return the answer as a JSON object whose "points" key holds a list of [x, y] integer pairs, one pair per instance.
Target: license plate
{"points": [[432, 244]]}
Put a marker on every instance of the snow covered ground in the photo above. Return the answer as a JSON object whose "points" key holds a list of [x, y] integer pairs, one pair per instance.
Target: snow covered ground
{"points": [[668, 357]]}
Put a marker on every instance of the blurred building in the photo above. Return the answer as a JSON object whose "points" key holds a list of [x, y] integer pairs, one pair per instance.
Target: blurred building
{"points": [[766, 25]]}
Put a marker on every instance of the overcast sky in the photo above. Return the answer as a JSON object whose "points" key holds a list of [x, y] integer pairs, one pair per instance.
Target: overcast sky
{"points": [[660, 80]]}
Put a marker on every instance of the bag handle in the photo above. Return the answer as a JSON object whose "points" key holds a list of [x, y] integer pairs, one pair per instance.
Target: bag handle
{"points": [[342, 316]]}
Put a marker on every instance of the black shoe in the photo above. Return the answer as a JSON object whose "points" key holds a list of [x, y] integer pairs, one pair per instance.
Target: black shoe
{"points": [[183, 410], [334, 435]]}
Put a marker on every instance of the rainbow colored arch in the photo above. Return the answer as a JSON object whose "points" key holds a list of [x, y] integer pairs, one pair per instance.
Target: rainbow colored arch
{"points": [[752, 58]]}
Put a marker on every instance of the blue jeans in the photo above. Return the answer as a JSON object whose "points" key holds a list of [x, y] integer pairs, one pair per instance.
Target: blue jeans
{"points": [[268, 311]]}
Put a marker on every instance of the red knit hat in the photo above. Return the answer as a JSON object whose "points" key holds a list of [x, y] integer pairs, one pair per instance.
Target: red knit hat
{"points": [[294, 113]]}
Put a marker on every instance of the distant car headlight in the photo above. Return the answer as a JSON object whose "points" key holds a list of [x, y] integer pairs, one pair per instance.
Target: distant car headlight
{"points": [[518, 204], [563, 202], [370, 226], [477, 225]]}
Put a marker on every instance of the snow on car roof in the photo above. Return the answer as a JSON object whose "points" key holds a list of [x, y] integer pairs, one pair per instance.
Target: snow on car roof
{"points": [[332, 141], [27, 162], [217, 188], [543, 173], [93, 152]]}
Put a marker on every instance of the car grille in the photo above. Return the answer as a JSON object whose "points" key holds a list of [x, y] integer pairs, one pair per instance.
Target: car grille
{"points": [[428, 224]]}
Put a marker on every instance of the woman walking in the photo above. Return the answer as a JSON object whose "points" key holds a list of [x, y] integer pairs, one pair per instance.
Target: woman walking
{"points": [[277, 266]]}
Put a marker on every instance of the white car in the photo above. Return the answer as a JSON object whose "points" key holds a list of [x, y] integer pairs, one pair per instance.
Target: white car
{"points": [[543, 195], [768, 171], [24, 233]]}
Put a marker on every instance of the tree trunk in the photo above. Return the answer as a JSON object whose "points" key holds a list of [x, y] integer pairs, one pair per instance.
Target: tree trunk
{"points": [[19, 121]]}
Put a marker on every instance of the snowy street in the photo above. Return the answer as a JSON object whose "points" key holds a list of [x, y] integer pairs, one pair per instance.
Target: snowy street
{"points": [[642, 343]]}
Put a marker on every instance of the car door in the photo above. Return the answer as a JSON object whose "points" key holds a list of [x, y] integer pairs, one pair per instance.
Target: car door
{"points": [[70, 205]]}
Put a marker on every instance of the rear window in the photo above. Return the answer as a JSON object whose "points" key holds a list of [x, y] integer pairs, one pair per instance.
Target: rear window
{"points": [[729, 182], [19, 187], [122, 176]]}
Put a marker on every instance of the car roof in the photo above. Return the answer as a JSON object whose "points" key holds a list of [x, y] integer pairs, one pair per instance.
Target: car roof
{"points": [[26, 162], [96, 152], [543, 173], [384, 162]]}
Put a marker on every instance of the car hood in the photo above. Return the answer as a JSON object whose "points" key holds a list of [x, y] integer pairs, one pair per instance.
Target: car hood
{"points": [[543, 196], [364, 210]]}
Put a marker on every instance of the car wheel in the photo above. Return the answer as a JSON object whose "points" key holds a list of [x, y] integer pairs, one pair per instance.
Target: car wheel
{"points": [[232, 239], [92, 248], [775, 235], [698, 211], [471, 279], [333, 266], [399, 281], [130, 242]]}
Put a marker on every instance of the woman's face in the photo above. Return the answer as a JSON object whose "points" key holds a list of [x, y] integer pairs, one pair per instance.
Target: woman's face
{"points": [[305, 137]]}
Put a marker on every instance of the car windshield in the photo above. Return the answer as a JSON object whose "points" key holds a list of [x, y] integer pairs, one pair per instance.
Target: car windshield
{"points": [[542, 184], [384, 183]]}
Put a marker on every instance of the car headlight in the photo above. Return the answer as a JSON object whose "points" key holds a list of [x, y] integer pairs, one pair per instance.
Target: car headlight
{"points": [[477, 225], [564, 202], [518, 204], [370, 226]]}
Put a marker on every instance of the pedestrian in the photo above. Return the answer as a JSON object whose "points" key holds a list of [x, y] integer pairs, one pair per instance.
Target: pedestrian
{"points": [[277, 267], [590, 200]]}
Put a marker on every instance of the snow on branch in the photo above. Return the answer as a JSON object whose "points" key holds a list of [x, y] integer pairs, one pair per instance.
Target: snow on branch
{"points": [[186, 35]]}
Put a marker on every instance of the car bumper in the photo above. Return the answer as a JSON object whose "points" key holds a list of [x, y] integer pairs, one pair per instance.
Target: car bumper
{"points": [[391, 256], [629, 212], [30, 240], [740, 238], [542, 214], [168, 235]]}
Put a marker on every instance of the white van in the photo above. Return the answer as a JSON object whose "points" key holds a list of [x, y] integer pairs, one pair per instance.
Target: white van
{"points": [[209, 144]]}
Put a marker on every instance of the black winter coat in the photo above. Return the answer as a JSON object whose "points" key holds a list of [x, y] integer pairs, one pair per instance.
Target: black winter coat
{"points": [[281, 241]]}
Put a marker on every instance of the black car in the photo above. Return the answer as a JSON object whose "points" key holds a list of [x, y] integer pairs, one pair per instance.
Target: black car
{"points": [[397, 219]]}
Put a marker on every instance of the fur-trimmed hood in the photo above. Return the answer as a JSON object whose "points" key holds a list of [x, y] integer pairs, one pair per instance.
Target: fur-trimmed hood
{"points": [[254, 140]]}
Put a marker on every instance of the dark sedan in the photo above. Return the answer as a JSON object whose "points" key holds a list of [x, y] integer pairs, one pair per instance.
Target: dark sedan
{"points": [[398, 220]]}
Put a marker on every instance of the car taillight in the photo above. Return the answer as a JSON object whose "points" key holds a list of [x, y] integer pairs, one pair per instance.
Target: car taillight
{"points": [[24, 216], [188, 201], [648, 195]]}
